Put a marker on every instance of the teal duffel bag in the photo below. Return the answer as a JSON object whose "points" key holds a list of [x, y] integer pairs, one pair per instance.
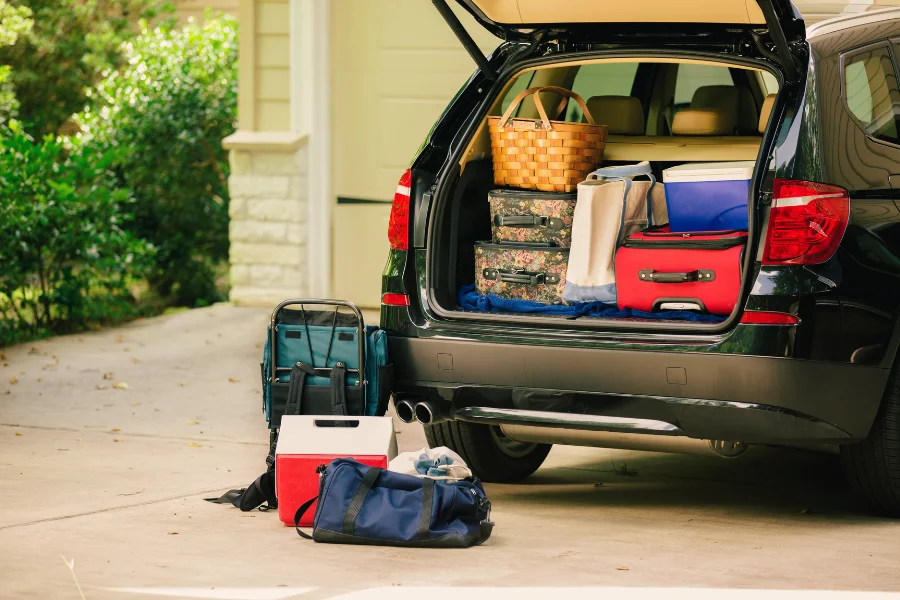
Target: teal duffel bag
{"points": [[313, 358]]}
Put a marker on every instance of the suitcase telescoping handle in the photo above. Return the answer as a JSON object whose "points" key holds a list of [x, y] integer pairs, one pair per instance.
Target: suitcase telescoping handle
{"points": [[700, 275], [527, 221], [325, 370], [520, 276]]}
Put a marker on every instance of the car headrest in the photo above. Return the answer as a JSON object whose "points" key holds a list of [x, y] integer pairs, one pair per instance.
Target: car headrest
{"points": [[623, 115], [703, 121], [766, 111], [715, 96]]}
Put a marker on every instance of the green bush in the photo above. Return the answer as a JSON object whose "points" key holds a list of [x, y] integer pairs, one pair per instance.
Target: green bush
{"points": [[14, 22], [168, 110], [67, 51], [67, 259]]}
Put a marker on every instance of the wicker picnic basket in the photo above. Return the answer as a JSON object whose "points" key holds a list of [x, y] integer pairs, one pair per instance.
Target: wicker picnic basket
{"points": [[552, 156]]}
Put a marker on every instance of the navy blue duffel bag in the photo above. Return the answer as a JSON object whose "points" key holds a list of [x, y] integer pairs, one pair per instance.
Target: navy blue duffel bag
{"points": [[359, 504]]}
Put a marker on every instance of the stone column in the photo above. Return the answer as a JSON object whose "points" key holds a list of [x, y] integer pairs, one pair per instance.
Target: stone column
{"points": [[268, 210]]}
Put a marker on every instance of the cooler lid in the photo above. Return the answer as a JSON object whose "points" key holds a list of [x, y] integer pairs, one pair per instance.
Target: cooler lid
{"points": [[718, 171], [316, 434]]}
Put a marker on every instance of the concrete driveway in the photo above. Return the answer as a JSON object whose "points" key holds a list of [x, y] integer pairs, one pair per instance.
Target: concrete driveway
{"points": [[114, 479]]}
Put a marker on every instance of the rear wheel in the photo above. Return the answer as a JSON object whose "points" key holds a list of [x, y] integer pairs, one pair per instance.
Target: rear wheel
{"points": [[489, 453], [873, 465]]}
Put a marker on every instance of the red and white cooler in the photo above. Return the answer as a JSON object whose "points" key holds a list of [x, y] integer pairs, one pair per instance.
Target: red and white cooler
{"points": [[305, 442]]}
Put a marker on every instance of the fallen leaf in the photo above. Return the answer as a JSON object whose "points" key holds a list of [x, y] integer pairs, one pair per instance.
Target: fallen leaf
{"points": [[195, 445], [39, 379], [101, 386], [135, 359], [7, 393], [5, 364], [2, 356], [34, 350], [116, 429], [116, 440], [180, 384], [126, 349], [14, 379], [233, 380], [805, 511], [135, 403], [120, 385], [192, 422], [622, 569], [18, 434], [108, 375], [172, 533], [77, 439]]}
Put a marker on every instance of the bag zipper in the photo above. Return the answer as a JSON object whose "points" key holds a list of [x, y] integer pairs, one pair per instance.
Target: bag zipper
{"points": [[687, 243]]}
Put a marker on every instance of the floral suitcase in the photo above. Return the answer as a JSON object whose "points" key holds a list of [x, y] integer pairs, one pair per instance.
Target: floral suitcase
{"points": [[521, 270], [524, 216]]}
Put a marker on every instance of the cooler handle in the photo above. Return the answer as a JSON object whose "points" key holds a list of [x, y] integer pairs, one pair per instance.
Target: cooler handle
{"points": [[700, 275]]}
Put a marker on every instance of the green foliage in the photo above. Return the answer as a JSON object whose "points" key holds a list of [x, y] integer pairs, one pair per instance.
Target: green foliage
{"points": [[14, 22], [70, 46], [168, 110], [66, 257]]}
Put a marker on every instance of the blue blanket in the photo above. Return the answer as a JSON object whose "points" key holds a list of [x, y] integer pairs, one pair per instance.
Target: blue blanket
{"points": [[469, 299]]}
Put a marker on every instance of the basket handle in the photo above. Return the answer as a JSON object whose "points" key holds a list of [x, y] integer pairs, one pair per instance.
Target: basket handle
{"points": [[537, 102]]}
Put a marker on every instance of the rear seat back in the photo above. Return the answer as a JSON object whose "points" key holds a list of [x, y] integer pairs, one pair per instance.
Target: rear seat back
{"points": [[765, 112], [623, 115], [736, 100], [703, 121]]}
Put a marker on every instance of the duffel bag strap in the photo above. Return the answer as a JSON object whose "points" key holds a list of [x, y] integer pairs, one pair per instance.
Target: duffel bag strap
{"points": [[424, 530], [299, 515], [359, 498]]}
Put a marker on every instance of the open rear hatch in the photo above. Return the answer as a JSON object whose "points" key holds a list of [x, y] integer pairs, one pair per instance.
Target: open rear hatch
{"points": [[600, 20], [772, 30]]}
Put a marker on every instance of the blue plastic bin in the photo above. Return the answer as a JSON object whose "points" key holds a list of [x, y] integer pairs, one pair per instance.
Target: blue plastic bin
{"points": [[708, 196]]}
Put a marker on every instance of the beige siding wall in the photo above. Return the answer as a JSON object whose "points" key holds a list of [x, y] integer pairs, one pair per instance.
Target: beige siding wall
{"points": [[264, 92], [394, 67], [197, 8]]}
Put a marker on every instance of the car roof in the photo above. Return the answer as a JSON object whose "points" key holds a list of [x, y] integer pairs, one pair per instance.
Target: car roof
{"points": [[850, 21]]}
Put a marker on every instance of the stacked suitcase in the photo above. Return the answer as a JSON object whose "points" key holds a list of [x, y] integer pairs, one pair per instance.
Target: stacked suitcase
{"points": [[692, 264], [529, 251]]}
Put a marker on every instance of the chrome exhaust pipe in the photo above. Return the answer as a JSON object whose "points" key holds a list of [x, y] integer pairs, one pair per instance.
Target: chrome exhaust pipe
{"points": [[677, 444], [405, 411], [426, 414]]}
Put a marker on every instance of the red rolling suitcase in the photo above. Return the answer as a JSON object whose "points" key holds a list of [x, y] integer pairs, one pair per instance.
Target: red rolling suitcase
{"points": [[660, 270]]}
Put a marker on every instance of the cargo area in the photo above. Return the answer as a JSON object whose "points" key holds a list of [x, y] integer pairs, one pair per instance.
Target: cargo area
{"points": [[673, 114]]}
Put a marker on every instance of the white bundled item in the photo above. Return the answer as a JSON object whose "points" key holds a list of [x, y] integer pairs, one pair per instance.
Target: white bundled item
{"points": [[610, 207], [435, 463]]}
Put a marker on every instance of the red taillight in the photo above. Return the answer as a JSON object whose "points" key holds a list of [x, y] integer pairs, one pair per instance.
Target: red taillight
{"points": [[806, 223], [398, 227], [765, 317], [395, 299]]}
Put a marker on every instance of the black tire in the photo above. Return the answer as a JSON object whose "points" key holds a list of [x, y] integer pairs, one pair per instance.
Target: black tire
{"points": [[873, 465], [481, 446]]}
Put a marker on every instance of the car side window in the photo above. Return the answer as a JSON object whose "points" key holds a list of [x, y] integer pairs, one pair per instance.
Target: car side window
{"points": [[870, 91]]}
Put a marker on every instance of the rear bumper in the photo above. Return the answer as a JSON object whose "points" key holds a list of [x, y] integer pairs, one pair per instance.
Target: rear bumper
{"points": [[753, 399]]}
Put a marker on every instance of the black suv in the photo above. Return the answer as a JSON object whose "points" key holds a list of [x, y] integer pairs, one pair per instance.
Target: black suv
{"points": [[807, 358]]}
